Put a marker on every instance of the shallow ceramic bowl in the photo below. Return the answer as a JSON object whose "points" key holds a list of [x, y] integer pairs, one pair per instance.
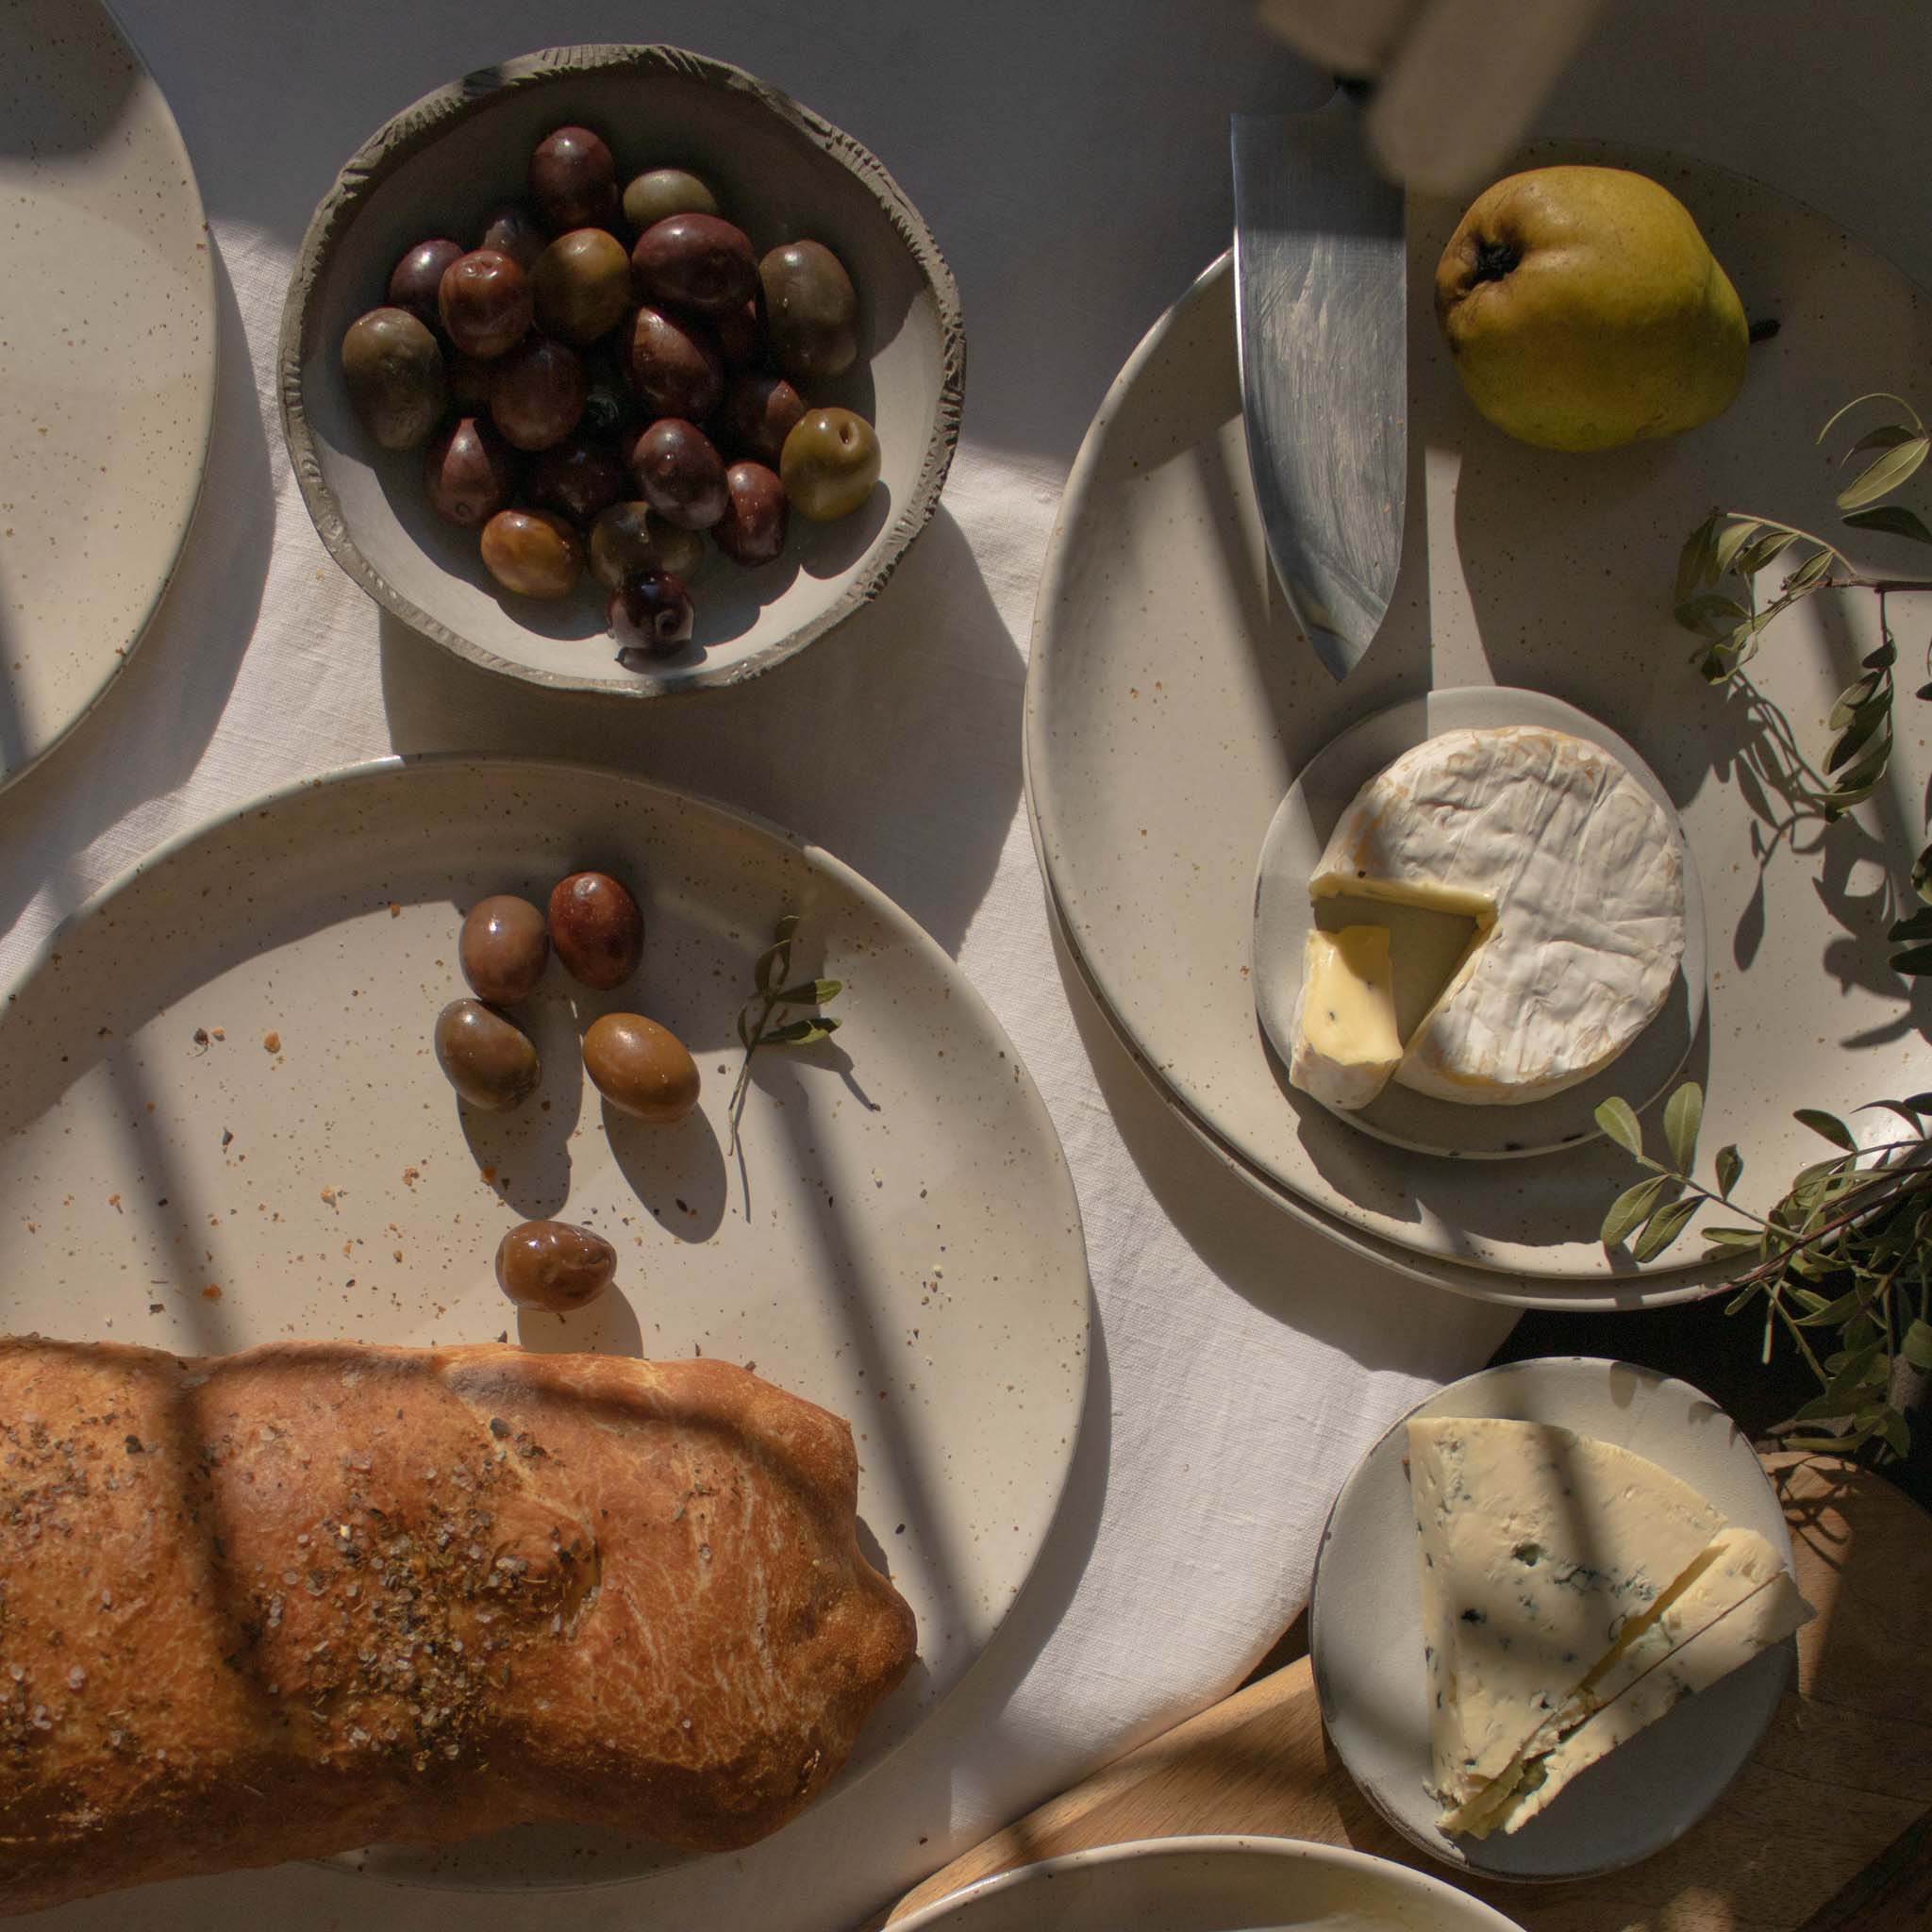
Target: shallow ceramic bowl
{"points": [[781, 172]]}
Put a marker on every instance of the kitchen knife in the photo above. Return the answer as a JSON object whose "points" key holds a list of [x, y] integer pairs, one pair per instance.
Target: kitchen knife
{"points": [[1322, 321]]}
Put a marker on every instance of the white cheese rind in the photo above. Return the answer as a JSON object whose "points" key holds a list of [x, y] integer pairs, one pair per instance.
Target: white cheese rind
{"points": [[1536, 1546], [1733, 1567], [1345, 1043], [1586, 873], [1767, 1615]]}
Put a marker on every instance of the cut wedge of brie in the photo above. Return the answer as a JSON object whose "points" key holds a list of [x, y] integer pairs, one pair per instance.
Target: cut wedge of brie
{"points": [[1572, 876], [1345, 1042], [1572, 1591]]}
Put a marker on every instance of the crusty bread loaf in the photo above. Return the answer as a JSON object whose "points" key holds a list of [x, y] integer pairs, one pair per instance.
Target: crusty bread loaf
{"points": [[319, 1595]]}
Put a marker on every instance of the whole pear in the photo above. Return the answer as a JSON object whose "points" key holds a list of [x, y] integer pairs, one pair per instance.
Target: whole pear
{"points": [[1583, 310]]}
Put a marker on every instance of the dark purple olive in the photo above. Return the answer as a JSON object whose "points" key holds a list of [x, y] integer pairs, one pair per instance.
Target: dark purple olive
{"points": [[630, 537], [611, 403], [582, 285], [811, 310], [484, 299], [694, 262], [651, 615], [665, 192], [512, 230], [740, 336], [674, 371], [503, 949], [533, 553], [752, 530], [469, 473], [577, 478], [537, 393], [573, 181], [597, 929], [487, 1058], [679, 473], [554, 1265], [760, 412], [394, 372], [415, 280]]}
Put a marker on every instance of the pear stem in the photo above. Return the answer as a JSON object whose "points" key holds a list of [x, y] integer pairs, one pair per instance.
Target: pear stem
{"points": [[1764, 328]]}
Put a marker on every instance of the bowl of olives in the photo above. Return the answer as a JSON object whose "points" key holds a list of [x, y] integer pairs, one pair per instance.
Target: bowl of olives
{"points": [[615, 369]]}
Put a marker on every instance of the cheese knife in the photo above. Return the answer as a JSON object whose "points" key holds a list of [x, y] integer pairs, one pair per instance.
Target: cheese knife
{"points": [[1322, 323]]}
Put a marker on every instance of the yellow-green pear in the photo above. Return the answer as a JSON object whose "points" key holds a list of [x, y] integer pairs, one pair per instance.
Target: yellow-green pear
{"points": [[1583, 310]]}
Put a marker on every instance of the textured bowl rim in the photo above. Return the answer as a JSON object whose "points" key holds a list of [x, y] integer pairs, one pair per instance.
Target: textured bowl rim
{"points": [[418, 127]]}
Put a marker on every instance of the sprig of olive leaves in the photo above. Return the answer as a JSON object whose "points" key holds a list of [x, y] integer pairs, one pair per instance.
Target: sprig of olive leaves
{"points": [[1847, 1246], [773, 969], [1739, 545]]}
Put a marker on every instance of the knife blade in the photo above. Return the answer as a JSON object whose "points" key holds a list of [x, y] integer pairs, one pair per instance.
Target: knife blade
{"points": [[1322, 323]]}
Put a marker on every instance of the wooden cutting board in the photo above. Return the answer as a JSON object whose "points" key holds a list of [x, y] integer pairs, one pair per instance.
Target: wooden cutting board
{"points": [[1830, 1829]]}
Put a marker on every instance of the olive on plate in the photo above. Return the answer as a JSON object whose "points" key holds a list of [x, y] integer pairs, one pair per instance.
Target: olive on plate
{"points": [[651, 615], [577, 478], [596, 928], [694, 262], [394, 372], [760, 412], [484, 299], [581, 285], [830, 464], [681, 474], [554, 1265], [469, 473], [504, 948], [661, 193], [537, 393], [630, 537], [511, 229], [811, 310], [641, 1067], [675, 369], [752, 530], [414, 280], [573, 181], [532, 553], [487, 1058]]}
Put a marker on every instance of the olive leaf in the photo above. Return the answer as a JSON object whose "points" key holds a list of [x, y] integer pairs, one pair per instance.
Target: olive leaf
{"points": [[1618, 1120], [1631, 1209], [754, 1027], [1887, 474], [1664, 1227], [1827, 1125], [1682, 1116], [1730, 1168], [1894, 520]]}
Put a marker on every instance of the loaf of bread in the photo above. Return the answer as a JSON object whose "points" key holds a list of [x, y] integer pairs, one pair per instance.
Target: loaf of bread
{"points": [[320, 1596]]}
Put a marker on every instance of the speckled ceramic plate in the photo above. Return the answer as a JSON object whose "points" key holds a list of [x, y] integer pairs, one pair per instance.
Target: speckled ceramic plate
{"points": [[1365, 1632], [1210, 1884], [222, 1123], [1298, 835], [107, 391], [1171, 705]]}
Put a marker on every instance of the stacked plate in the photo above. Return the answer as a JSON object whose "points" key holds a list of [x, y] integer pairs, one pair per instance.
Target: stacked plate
{"points": [[1170, 705]]}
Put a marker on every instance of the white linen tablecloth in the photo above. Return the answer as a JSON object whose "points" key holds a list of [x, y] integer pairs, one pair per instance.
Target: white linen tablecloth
{"points": [[1072, 162]]}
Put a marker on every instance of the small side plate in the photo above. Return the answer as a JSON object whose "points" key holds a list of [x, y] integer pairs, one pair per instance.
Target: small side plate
{"points": [[1366, 1637], [1293, 850]]}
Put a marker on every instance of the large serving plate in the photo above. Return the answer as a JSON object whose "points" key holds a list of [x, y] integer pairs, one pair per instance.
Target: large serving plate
{"points": [[221, 1123], [1365, 1629], [1211, 1884], [1171, 705], [107, 389]]}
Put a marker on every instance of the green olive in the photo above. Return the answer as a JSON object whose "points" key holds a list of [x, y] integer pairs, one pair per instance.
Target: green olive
{"points": [[811, 310], [395, 376], [533, 553], [641, 1067], [489, 1062], [630, 537], [663, 192], [582, 285], [830, 464], [554, 1265]]}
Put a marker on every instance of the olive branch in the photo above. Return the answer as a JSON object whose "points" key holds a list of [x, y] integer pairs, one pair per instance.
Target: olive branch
{"points": [[755, 1028]]}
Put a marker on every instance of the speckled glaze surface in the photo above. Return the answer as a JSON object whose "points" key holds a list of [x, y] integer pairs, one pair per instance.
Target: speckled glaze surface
{"points": [[1297, 839], [224, 1124], [1365, 1630], [107, 363], [1210, 1884], [781, 172], [1171, 703]]}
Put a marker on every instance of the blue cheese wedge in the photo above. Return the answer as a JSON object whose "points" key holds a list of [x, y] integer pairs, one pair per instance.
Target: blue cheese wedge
{"points": [[1767, 1615], [1735, 1567], [1538, 1548]]}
